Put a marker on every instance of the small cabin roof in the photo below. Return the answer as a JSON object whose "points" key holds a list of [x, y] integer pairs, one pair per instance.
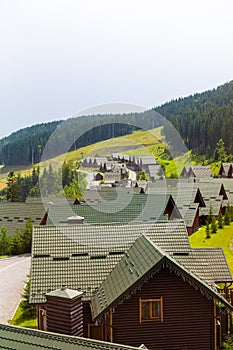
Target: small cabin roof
{"points": [[65, 293], [143, 258]]}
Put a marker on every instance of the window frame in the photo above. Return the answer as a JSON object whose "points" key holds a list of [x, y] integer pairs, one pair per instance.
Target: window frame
{"points": [[152, 318]]}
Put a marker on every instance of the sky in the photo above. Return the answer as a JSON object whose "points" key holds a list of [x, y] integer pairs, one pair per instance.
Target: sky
{"points": [[61, 57]]}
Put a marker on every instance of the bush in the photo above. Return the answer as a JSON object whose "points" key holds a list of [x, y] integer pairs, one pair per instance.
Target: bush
{"points": [[29, 311], [228, 344]]}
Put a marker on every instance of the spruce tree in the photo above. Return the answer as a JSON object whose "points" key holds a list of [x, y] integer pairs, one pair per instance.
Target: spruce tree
{"points": [[220, 221], [26, 237], [16, 243], [12, 192], [207, 230], [4, 242], [210, 215], [214, 227], [227, 217], [231, 212]]}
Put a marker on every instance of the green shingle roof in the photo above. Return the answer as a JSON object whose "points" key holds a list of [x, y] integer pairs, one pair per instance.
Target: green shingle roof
{"points": [[123, 209], [227, 185], [81, 256], [208, 263], [186, 195], [142, 258], [15, 215], [17, 338]]}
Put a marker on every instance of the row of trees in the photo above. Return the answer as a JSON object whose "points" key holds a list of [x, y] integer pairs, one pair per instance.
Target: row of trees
{"points": [[212, 225], [19, 243], [68, 180]]}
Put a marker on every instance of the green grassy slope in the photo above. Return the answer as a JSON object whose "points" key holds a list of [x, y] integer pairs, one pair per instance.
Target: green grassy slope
{"points": [[142, 142]]}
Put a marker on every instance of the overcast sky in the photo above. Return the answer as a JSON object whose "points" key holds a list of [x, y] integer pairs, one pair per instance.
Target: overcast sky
{"points": [[59, 57]]}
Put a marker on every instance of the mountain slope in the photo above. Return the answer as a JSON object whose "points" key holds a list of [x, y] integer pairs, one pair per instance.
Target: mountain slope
{"points": [[204, 118], [201, 119]]}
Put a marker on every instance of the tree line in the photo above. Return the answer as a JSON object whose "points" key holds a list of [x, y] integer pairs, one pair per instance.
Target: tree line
{"points": [[25, 146], [203, 119], [68, 181], [19, 243], [212, 225], [28, 145]]}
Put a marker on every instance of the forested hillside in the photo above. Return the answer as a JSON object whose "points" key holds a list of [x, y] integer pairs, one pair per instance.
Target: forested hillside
{"points": [[201, 120], [27, 146], [204, 118]]}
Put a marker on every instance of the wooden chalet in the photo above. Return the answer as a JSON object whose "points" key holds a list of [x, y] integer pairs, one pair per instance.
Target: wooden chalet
{"points": [[94, 162], [185, 171], [227, 185], [14, 215], [226, 170], [12, 338], [196, 171], [99, 176], [150, 297], [215, 198], [92, 281], [187, 197]]}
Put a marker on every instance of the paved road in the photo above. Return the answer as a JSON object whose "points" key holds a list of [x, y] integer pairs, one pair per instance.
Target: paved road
{"points": [[13, 275]]}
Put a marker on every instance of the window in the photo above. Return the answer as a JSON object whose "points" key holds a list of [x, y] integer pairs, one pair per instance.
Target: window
{"points": [[151, 309]]}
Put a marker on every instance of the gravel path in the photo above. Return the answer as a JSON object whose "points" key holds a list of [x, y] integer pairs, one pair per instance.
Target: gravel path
{"points": [[13, 275]]}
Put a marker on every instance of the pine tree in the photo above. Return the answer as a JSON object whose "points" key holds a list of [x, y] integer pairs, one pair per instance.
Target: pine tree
{"points": [[220, 150], [210, 215], [26, 237], [220, 221], [35, 176], [227, 217], [207, 231], [4, 242], [12, 192], [29, 311], [214, 227], [16, 243], [231, 212], [66, 174]]}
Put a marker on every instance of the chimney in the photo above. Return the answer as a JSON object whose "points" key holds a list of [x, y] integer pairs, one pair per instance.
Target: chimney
{"points": [[75, 220], [65, 312]]}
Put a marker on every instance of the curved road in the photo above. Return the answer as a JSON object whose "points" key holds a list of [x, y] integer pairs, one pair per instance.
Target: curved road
{"points": [[13, 275]]}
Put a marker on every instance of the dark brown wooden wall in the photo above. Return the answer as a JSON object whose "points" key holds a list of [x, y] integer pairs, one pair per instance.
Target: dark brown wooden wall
{"points": [[188, 317], [87, 318], [65, 316], [195, 226]]}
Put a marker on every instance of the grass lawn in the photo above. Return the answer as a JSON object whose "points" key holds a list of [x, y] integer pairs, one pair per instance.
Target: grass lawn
{"points": [[223, 238], [20, 320], [4, 256]]}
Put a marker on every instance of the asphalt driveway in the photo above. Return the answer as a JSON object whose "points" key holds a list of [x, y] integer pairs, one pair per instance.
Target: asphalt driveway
{"points": [[13, 275]]}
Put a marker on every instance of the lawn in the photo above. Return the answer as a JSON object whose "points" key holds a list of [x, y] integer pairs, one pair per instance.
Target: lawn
{"points": [[223, 238], [22, 321]]}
